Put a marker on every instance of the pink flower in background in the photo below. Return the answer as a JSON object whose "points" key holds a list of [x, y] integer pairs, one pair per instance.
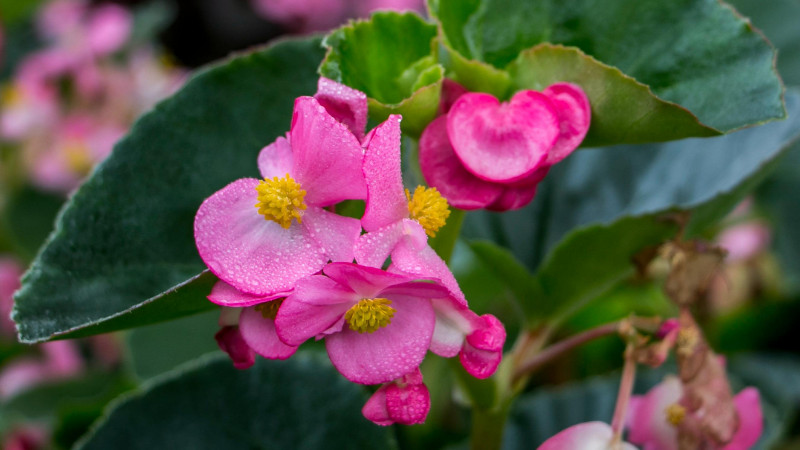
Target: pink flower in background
{"points": [[10, 274], [405, 400], [377, 325], [305, 16], [261, 237], [60, 359], [28, 437], [745, 240], [585, 436], [655, 418], [487, 154]]}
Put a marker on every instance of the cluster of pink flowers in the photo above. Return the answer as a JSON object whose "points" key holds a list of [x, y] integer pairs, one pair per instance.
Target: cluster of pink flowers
{"points": [[69, 102], [304, 16], [286, 266]]}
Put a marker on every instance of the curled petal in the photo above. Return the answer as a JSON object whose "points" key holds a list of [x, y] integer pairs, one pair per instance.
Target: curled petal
{"points": [[519, 194], [483, 348], [327, 156], [502, 142], [443, 170], [574, 116], [230, 341], [317, 303], [275, 160], [386, 201], [345, 104], [226, 295], [405, 401], [367, 282], [259, 333]]}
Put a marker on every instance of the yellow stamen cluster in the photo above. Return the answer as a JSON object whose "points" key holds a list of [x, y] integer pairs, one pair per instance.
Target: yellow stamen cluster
{"points": [[370, 314], [281, 200], [675, 414], [429, 208], [78, 159], [11, 95], [269, 310]]}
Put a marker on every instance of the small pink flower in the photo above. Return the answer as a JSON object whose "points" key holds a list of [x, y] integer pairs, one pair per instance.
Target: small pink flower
{"points": [[405, 400], [364, 8], [377, 325], [263, 236], [10, 274], [744, 241], [487, 154], [60, 359], [584, 436], [303, 15]]}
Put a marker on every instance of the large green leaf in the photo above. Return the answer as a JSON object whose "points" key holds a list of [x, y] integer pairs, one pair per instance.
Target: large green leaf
{"points": [[390, 58], [611, 203], [122, 253], [697, 53], [296, 404]]}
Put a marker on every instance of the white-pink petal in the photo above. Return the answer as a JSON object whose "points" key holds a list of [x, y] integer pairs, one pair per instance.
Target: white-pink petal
{"points": [[386, 202], [259, 333], [275, 160]]}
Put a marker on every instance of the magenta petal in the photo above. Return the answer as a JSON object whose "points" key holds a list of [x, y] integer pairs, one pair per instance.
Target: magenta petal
{"points": [[584, 436], [275, 160], [230, 341], [491, 336], [375, 408], [408, 405], [226, 295], [648, 424], [520, 193], [574, 115], [443, 170], [386, 200], [373, 248], [254, 255], [345, 104], [367, 282], [451, 91], [751, 420], [387, 353], [259, 333], [327, 156], [317, 303], [335, 234], [108, 29], [502, 142]]}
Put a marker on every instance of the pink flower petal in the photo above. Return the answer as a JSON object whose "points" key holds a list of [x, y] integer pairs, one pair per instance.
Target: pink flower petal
{"points": [[318, 303], [226, 295], [275, 160], [327, 156], [373, 248], [375, 409], [443, 170], [574, 115], [451, 91], [751, 420], [584, 436], [259, 333], [345, 104], [367, 282], [230, 340], [389, 352], [519, 194], [335, 234], [502, 142], [483, 349], [254, 255], [408, 405], [108, 29], [386, 200], [648, 423]]}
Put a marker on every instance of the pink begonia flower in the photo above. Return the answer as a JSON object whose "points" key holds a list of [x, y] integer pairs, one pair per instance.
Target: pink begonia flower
{"points": [[364, 8], [651, 418], [584, 436], [377, 325], [303, 15], [405, 400], [263, 236], [10, 274], [397, 225], [744, 241], [27, 437], [83, 30], [60, 359], [487, 154]]}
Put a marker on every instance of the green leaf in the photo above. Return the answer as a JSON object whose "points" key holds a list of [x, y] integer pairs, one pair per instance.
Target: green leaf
{"points": [[503, 265], [598, 208], [123, 252], [26, 220], [390, 58], [623, 109], [696, 53], [299, 403]]}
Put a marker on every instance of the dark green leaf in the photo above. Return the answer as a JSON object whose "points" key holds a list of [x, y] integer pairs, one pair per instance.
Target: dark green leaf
{"points": [[611, 203], [503, 265], [26, 220], [390, 58], [122, 250], [296, 404], [697, 53]]}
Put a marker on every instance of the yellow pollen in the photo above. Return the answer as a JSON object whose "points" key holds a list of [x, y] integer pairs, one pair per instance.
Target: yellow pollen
{"points": [[281, 200], [11, 95], [269, 310], [675, 414], [429, 208], [78, 159], [370, 314]]}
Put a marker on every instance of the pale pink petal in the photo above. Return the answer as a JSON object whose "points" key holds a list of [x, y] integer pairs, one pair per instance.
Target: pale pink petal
{"points": [[259, 333], [367, 282], [389, 352], [373, 248], [335, 235], [230, 340], [317, 304], [226, 295], [254, 255], [386, 200], [751, 420], [502, 142], [574, 115], [584, 436], [20, 374], [275, 160], [345, 104], [443, 170], [62, 358], [744, 241], [648, 423], [375, 408], [327, 156], [59, 17], [108, 29]]}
